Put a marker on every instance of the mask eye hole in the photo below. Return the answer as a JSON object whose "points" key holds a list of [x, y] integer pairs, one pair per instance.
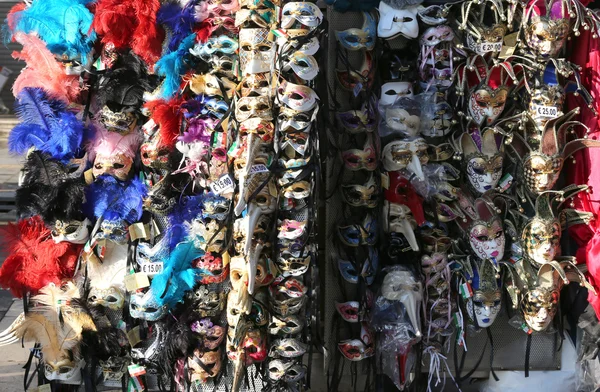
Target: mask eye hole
{"points": [[118, 165], [352, 39], [151, 310]]}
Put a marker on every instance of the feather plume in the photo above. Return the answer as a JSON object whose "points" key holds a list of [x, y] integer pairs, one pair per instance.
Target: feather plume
{"points": [[178, 20], [46, 125], [12, 18], [111, 199], [115, 21], [177, 343], [178, 276], [50, 189], [54, 340], [34, 260], [43, 70], [168, 116], [171, 66], [148, 36], [107, 143], [64, 25]]}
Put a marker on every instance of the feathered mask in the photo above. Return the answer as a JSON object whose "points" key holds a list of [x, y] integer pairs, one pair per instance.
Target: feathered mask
{"points": [[34, 259], [114, 200], [51, 189], [57, 323], [46, 125], [108, 144], [64, 25], [43, 70], [130, 24], [172, 65], [179, 21]]}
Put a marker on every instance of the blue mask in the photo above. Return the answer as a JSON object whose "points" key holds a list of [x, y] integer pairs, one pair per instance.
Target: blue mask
{"points": [[215, 107], [145, 307], [216, 207], [348, 271], [221, 44], [359, 234], [112, 230], [370, 266], [357, 39]]}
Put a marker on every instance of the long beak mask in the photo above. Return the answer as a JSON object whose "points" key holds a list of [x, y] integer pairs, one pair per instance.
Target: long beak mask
{"points": [[416, 168], [253, 147], [400, 285]]}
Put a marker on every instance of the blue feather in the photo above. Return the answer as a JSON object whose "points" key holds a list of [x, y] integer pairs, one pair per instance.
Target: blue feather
{"points": [[178, 275], [171, 66], [112, 199], [179, 21], [45, 125], [64, 25]]}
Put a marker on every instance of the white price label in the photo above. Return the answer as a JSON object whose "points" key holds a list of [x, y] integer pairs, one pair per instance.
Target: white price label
{"points": [[546, 111], [222, 185], [485, 47], [152, 269], [260, 168]]}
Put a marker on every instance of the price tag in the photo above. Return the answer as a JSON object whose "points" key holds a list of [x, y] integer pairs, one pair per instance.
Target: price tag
{"points": [[137, 231], [223, 185], [385, 181], [259, 168], [152, 269], [545, 111], [133, 336], [485, 47], [134, 282], [510, 45]]}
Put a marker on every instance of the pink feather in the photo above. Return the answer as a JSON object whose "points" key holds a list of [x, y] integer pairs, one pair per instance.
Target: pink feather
{"points": [[43, 70], [107, 143]]}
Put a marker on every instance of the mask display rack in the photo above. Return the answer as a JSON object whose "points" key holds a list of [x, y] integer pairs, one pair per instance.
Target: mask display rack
{"points": [[257, 195]]}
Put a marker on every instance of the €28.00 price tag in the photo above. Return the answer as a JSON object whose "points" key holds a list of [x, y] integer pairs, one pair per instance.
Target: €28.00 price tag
{"points": [[152, 269], [222, 185], [485, 47], [546, 111]]}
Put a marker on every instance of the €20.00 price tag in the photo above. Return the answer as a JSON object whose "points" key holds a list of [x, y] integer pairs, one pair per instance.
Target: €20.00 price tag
{"points": [[152, 269], [485, 47], [546, 111], [222, 185]]}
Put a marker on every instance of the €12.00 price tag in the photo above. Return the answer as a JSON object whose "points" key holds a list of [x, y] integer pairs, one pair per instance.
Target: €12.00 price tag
{"points": [[485, 47], [152, 269], [546, 111], [222, 185]]}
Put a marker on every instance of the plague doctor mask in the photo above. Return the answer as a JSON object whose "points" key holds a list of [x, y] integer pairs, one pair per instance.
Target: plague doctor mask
{"points": [[401, 285], [406, 154]]}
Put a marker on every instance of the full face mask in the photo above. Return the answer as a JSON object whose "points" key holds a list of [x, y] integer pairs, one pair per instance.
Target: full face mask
{"points": [[75, 232], [257, 53], [401, 285], [484, 305], [357, 39], [482, 159], [406, 154], [394, 22], [393, 91], [547, 26], [436, 116], [398, 218], [144, 306], [487, 88]]}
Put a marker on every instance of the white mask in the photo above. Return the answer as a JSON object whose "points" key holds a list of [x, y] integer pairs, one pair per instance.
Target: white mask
{"points": [[393, 22], [392, 91]]}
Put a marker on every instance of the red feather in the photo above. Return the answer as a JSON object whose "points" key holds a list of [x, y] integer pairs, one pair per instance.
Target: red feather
{"points": [[204, 32], [148, 36], [168, 116], [114, 21], [13, 14], [34, 259]]}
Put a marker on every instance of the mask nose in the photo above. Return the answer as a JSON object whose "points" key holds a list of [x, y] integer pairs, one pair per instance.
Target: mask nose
{"points": [[407, 230], [410, 303], [415, 167]]}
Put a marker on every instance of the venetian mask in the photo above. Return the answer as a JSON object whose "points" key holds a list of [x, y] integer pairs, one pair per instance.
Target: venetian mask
{"points": [[75, 232], [393, 91], [355, 231], [257, 53], [121, 122], [208, 302], [540, 240], [484, 24], [487, 103], [356, 159], [394, 22], [204, 365], [118, 166], [112, 230], [359, 195], [307, 14], [401, 285], [357, 39], [66, 371], [484, 305], [398, 218], [409, 155], [483, 162], [539, 306], [547, 27], [144, 306], [402, 119]]}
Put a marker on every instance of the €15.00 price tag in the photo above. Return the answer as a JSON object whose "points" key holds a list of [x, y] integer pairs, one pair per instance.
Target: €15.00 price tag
{"points": [[152, 269], [546, 111], [222, 185], [485, 47]]}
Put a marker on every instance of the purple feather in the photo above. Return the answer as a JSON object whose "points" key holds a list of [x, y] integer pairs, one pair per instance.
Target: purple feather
{"points": [[179, 21], [112, 199]]}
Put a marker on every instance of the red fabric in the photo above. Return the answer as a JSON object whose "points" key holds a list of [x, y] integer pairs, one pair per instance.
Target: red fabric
{"points": [[34, 260], [585, 52]]}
